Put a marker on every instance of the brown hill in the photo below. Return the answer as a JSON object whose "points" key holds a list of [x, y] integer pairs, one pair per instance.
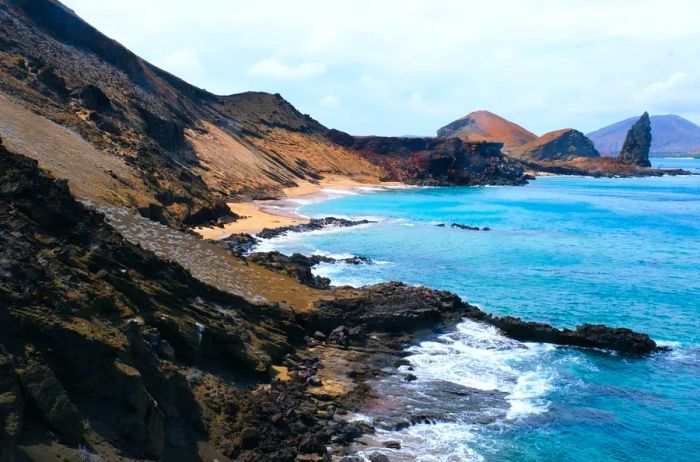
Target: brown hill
{"points": [[561, 144], [487, 126], [134, 135]]}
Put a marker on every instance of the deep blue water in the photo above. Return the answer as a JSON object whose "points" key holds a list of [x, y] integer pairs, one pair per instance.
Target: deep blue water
{"points": [[564, 250]]}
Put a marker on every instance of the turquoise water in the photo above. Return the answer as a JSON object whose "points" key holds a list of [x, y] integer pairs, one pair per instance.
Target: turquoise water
{"points": [[564, 250]]}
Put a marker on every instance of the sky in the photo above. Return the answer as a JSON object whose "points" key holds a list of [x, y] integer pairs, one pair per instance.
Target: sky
{"points": [[409, 67]]}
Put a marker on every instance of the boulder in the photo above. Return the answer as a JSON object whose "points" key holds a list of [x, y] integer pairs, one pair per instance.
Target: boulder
{"points": [[49, 399]]}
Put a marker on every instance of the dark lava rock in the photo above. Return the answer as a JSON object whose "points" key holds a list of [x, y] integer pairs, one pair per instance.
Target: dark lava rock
{"points": [[339, 336], [587, 335], [465, 227], [240, 244], [296, 265], [314, 224], [558, 145], [635, 150], [436, 161], [378, 457], [50, 399], [216, 214]]}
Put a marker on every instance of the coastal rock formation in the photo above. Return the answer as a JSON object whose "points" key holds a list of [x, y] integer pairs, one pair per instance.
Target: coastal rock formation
{"points": [[670, 135], [436, 161], [635, 151], [487, 126], [586, 335], [315, 224], [299, 266], [96, 330], [557, 145], [397, 307]]}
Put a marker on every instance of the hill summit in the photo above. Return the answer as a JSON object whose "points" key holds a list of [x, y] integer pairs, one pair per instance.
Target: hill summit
{"points": [[487, 126]]}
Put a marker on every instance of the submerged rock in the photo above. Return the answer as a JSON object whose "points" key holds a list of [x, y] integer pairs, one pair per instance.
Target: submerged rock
{"points": [[635, 151]]}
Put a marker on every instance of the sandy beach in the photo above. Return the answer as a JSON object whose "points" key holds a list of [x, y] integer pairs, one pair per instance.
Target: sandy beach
{"points": [[258, 215]]}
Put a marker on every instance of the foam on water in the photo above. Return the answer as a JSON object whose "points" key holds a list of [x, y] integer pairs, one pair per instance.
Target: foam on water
{"points": [[477, 356]]}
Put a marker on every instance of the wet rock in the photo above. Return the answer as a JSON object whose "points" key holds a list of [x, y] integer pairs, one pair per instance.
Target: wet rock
{"points": [[388, 307], [465, 227], [352, 459], [314, 224], [410, 378], [48, 397], [587, 335], [378, 457], [392, 444], [635, 150], [318, 335]]}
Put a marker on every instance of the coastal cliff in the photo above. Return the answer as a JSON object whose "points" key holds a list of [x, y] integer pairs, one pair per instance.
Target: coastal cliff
{"points": [[435, 161], [109, 350]]}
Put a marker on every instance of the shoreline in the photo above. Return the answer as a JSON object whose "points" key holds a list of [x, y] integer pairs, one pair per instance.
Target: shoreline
{"points": [[257, 215]]}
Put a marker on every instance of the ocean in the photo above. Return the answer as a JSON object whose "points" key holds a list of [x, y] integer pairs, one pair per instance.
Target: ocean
{"points": [[562, 250]]}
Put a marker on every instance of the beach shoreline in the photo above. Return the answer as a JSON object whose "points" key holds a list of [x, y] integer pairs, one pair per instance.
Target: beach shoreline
{"points": [[257, 215]]}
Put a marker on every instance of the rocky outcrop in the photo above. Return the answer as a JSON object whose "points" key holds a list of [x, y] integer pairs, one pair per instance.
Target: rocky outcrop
{"points": [[315, 224], [98, 330], [635, 150], [300, 266], [586, 335], [557, 145], [436, 161], [487, 126], [396, 307]]}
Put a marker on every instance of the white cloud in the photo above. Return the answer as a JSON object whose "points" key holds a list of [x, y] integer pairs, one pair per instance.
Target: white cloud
{"points": [[275, 69], [410, 66], [330, 101]]}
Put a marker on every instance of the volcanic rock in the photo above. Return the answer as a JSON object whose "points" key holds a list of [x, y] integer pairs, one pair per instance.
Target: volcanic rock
{"points": [[557, 145], [635, 150], [437, 161]]}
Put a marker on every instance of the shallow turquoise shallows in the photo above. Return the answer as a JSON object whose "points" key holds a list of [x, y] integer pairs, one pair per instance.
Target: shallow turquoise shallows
{"points": [[564, 250]]}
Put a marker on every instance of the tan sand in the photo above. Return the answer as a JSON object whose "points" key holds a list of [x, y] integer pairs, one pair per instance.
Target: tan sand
{"points": [[258, 215]]}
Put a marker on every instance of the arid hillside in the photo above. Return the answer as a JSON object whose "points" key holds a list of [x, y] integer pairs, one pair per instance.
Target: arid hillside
{"points": [[487, 126], [133, 135]]}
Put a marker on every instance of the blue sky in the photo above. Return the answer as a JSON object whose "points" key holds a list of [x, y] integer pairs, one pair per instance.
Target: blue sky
{"points": [[409, 67]]}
